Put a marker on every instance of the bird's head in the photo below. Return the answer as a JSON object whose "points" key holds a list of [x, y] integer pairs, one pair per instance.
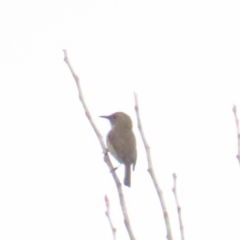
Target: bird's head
{"points": [[119, 119]]}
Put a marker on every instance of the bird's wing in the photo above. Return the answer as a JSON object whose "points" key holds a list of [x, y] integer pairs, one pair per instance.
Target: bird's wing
{"points": [[122, 145]]}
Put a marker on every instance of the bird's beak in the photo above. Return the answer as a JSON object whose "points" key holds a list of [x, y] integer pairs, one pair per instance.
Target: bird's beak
{"points": [[105, 117]]}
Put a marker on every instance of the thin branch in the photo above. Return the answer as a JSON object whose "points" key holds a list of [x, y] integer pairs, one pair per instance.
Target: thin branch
{"points": [[114, 230], [151, 172], [106, 157], [179, 210], [238, 130]]}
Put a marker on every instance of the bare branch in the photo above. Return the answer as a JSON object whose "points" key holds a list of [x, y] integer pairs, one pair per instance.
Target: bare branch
{"points": [[114, 230], [151, 172], [179, 210], [106, 157], [238, 130]]}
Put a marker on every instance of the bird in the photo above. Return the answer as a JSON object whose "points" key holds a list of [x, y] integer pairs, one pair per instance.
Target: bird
{"points": [[121, 142]]}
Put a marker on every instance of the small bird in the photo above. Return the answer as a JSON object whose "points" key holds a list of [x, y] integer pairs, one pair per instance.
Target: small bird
{"points": [[121, 142]]}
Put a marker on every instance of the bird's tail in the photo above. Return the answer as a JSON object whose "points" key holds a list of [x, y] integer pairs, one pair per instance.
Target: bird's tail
{"points": [[127, 178]]}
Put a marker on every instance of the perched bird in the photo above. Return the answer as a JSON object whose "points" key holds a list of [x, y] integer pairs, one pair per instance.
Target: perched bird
{"points": [[121, 142]]}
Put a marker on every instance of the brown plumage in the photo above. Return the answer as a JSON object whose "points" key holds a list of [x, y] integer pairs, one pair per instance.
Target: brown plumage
{"points": [[121, 142]]}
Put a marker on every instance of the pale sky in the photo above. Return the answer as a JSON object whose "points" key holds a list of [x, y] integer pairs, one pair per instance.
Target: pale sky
{"points": [[181, 57]]}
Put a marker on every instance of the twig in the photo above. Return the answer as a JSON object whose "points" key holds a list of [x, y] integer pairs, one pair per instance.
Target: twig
{"points": [[106, 157], [151, 172], [179, 210], [114, 230], [238, 130]]}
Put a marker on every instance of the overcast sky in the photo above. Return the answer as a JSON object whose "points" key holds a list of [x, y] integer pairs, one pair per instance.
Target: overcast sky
{"points": [[181, 57]]}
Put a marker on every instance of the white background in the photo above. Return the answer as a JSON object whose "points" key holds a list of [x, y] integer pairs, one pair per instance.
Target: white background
{"points": [[182, 58]]}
